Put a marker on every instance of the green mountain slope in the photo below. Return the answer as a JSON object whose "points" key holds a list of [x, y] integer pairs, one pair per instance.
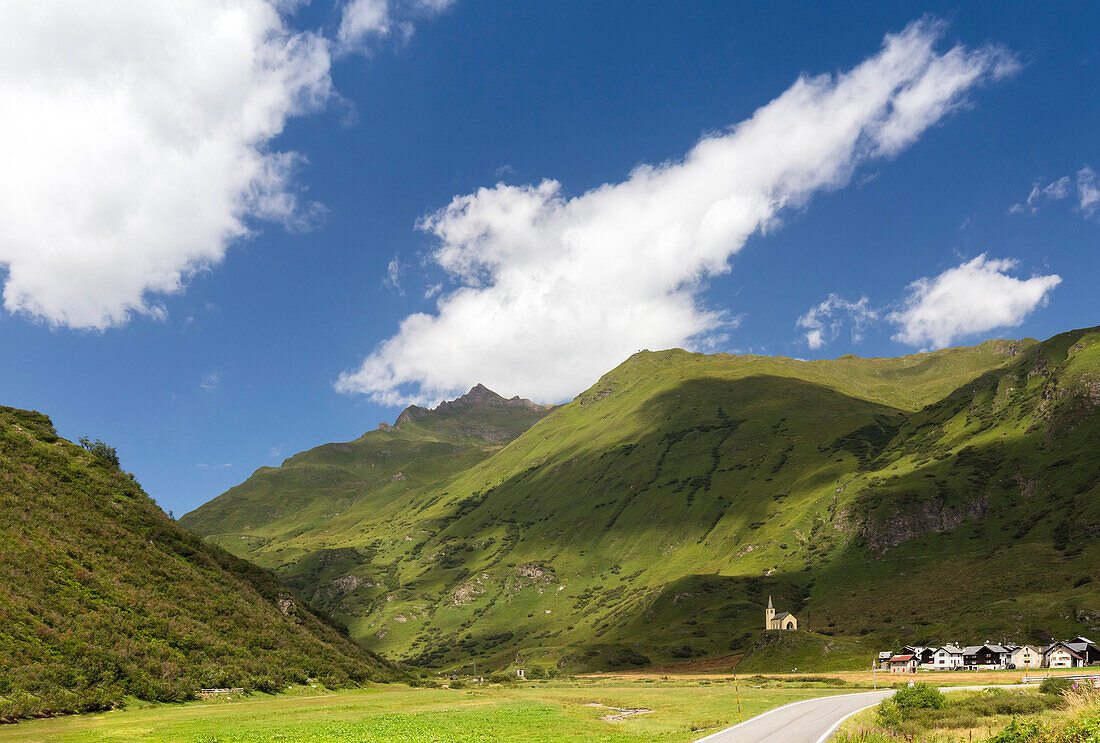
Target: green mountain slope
{"points": [[933, 496], [102, 596]]}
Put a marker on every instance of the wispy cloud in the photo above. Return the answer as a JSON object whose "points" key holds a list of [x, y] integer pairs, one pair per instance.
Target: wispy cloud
{"points": [[204, 466], [1054, 191], [136, 146], [974, 297], [824, 322], [1088, 193], [393, 276], [211, 381], [364, 22], [552, 290]]}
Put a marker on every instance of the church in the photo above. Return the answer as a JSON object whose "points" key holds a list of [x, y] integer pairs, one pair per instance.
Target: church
{"points": [[782, 620]]}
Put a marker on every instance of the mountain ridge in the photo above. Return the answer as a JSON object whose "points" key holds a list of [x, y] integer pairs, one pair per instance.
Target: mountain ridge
{"points": [[646, 519], [103, 596]]}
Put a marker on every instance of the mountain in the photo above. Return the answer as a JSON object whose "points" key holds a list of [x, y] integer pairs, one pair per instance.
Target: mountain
{"points": [[102, 596], [931, 497]]}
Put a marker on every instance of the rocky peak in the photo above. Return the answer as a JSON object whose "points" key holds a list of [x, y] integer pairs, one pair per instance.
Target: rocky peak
{"points": [[478, 396], [411, 413]]}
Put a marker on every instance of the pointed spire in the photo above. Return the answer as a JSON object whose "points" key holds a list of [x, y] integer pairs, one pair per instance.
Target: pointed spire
{"points": [[770, 603]]}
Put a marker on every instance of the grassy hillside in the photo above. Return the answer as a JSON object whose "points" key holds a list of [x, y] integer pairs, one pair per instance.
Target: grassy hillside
{"points": [[102, 596], [945, 496]]}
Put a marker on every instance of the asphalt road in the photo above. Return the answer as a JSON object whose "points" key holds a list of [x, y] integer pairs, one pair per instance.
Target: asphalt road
{"points": [[807, 721]]}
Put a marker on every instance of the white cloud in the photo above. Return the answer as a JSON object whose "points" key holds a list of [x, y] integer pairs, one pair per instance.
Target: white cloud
{"points": [[135, 146], [362, 19], [824, 322], [1054, 191], [975, 297], [393, 276], [554, 290], [211, 381], [1088, 193], [362, 22]]}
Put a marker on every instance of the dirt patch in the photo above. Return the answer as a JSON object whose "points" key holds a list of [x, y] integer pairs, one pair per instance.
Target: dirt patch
{"points": [[619, 713]]}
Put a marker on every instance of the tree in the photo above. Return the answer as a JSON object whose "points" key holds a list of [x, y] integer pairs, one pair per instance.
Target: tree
{"points": [[100, 450]]}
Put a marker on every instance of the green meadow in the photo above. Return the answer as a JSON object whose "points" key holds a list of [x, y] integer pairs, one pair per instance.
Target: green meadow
{"points": [[558, 711]]}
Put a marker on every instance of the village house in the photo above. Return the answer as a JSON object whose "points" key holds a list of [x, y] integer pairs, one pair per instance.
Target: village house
{"points": [[985, 657], [1060, 655], [926, 658], [783, 620], [947, 658], [883, 660], [1074, 653], [1025, 656], [906, 663]]}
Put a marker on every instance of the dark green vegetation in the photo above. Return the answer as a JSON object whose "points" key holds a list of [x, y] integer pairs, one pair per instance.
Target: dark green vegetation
{"points": [[102, 596], [924, 714], [950, 496]]}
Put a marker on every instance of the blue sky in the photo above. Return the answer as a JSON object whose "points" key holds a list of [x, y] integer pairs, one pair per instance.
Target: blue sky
{"points": [[262, 279]]}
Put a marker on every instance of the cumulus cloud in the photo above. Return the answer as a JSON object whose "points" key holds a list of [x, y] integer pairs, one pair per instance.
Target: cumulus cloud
{"points": [[824, 322], [974, 297], [135, 146], [553, 290], [362, 22]]}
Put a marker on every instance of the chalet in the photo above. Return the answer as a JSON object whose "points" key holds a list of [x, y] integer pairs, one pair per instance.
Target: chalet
{"points": [[1075, 653], [1025, 656], [1086, 648], [947, 658], [1060, 655], [926, 658], [782, 620], [883, 660], [906, 663], [985, 657]]}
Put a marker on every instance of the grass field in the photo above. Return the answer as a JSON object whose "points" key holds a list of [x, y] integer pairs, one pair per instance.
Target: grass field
{"points": [[864, 679], [553, 711]]}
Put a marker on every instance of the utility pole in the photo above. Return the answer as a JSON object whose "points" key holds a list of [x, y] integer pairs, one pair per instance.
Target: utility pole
{"points": [[737, 694]]}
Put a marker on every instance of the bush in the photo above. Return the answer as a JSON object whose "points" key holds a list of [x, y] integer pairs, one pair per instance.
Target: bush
{"points": [[102, 452], [1055, 685], [919, 696]]}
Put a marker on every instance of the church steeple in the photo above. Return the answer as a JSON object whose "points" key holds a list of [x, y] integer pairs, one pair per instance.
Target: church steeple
{"points": [[769, 615], [770, 602]]}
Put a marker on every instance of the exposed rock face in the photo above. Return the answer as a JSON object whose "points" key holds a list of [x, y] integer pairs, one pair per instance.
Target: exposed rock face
{"points": [[347, 583], [883, 532], [479, 396], [409, 414]]}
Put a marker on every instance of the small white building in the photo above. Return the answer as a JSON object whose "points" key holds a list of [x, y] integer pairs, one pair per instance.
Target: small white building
{"points": [[947, 658], [1059, 655]]}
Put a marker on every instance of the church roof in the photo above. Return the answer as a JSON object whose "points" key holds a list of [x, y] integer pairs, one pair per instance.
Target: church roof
{"points": [[783, 614]]}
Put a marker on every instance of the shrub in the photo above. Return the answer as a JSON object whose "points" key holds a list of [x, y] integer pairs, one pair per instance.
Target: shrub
{"points": [[919, 696], [1055, 685], [102, 452]]}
